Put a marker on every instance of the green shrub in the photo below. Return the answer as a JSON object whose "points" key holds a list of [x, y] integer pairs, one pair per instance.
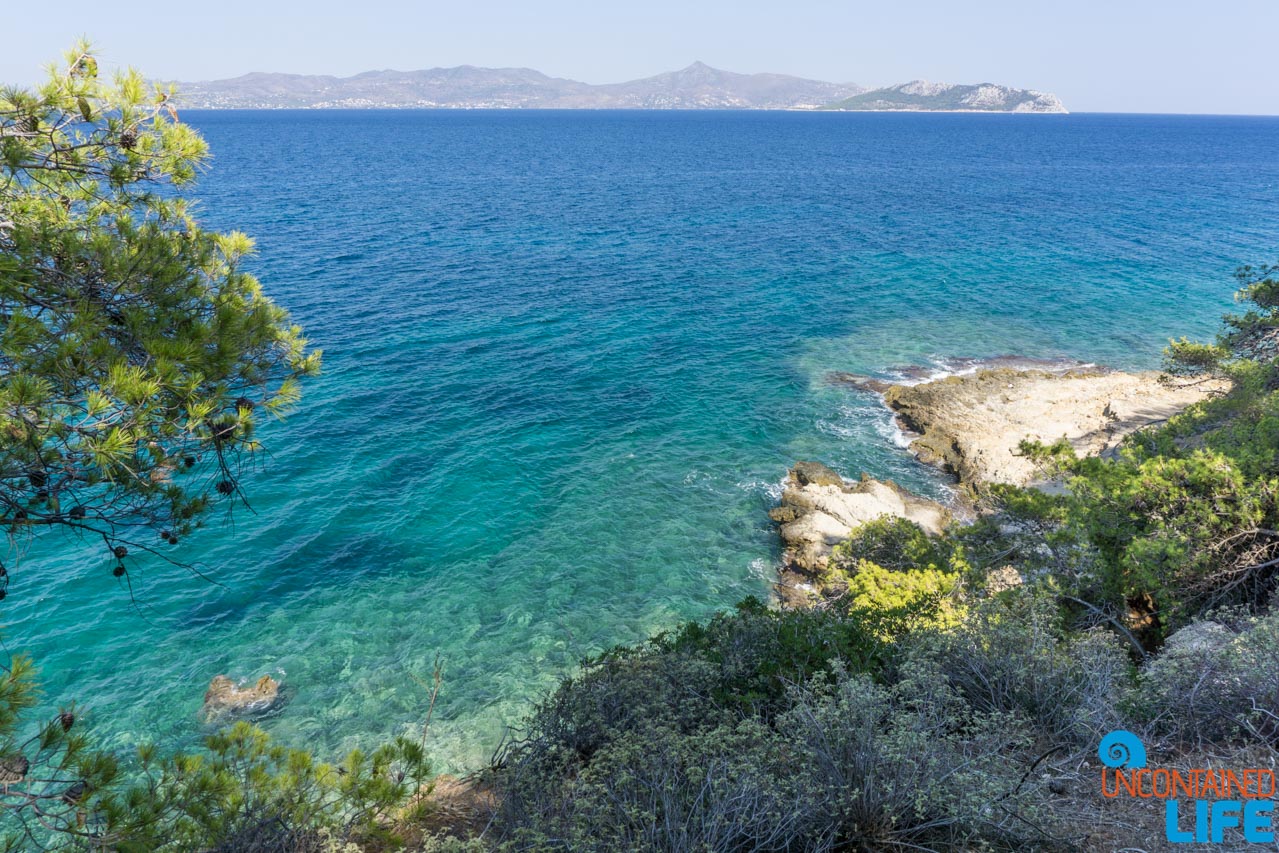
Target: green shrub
{"points": [[49, 771], [898, 544], [750, 733], [849, 764], [928, 594], [248, 793], [760, 651], [729, 788], [1167, 535], [1010, 656], [242, 793], [622, 691], [910, 765]]}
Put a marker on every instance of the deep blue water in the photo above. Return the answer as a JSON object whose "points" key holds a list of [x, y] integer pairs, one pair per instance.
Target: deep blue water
{"points": [[569, 357]]}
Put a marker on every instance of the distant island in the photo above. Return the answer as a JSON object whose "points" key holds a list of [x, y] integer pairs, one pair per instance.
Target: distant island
{"points": [[922, 96], [696, 87]]}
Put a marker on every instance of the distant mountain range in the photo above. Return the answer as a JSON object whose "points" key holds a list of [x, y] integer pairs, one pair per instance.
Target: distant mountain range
{"points": [[693, 88]]}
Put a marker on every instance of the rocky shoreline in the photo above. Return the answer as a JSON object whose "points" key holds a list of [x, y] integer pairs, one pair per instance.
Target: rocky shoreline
{"points": [[819, 509], [971, 425]]}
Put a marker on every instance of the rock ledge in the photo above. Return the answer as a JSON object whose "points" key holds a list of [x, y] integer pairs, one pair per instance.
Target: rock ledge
{"points": [[973, 425]]}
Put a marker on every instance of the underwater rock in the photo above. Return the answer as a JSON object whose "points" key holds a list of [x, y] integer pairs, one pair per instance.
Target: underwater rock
{"points": [[225, 698], [859, 381]]}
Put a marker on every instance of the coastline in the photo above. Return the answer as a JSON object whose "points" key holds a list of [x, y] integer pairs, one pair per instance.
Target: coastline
{"points": [[970, 423], [906, 110]]}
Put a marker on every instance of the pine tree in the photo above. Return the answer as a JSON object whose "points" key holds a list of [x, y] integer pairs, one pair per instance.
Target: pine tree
{"points": [[136, 353]]}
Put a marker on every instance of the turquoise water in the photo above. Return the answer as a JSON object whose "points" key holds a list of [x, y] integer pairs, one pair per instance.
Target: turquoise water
{"points": [[569, 357]]}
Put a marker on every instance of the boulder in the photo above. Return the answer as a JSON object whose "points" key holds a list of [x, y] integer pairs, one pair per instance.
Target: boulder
{"points": [[1199, 638], [814, 474], [1001, 579], [225, 698]]}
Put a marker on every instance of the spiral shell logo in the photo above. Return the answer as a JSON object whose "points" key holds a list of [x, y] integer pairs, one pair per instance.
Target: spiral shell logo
{"points": [[1122, 749], [1236, 800]]}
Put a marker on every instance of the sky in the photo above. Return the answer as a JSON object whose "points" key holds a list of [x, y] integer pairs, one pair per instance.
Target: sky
{"points": [[1174, 56]]}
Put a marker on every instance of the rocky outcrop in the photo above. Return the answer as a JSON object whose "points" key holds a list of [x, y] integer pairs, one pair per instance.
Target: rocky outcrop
{"points": [[973, 425], [819, 509], [1199, 638], [225, 698]]}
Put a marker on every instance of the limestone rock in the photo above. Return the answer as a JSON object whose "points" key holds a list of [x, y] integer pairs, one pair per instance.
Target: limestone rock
{"points": [[1199, 637], [819, 510], [814, 474], [1002, 578], [973, 425]]}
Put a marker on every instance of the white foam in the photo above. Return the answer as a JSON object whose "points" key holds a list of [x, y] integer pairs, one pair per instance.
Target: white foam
{"points": [[772, 491], [944, 367]]}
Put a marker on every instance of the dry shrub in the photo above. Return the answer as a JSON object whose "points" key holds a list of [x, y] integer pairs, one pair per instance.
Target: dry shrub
{"points": [[1215, 682], [1010, 657]]}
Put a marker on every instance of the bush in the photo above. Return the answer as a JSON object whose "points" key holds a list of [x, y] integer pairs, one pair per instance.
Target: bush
{"points": [[1215, 683], [899, 544], [729, 788], [623, 691], [849, 764], [656, 715], [751, 732], [247, 793], [909, 765], [1010, 656], [49, 772], [919, 597], [759, 652]]}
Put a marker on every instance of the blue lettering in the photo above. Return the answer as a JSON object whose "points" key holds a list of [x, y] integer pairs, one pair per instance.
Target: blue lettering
{"points": [[1224, 813], [1256, 821], [1174, 833]]}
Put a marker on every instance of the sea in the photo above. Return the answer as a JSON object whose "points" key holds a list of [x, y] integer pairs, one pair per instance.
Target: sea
{"points": [[568, 360]]}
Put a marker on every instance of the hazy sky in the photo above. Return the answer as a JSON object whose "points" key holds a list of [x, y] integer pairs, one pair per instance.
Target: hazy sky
{"points": [[1105, 55]]}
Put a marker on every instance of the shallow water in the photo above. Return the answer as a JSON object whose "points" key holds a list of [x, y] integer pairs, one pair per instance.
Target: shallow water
{"points": [[569, 357]]}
